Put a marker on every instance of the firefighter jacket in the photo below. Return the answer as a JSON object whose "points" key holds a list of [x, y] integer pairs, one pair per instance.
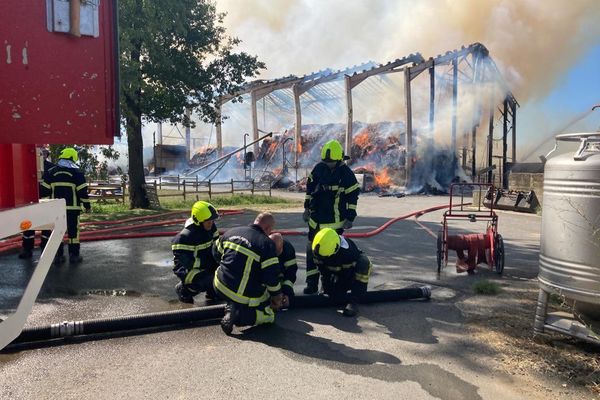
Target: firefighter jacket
{"points": [[345, 258], [331, 196], [289, 267], [248, 272], [192, 249], [66, 183]]}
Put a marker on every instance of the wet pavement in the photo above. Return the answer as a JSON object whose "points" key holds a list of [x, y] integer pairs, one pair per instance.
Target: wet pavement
{"points": [[412, 350]]}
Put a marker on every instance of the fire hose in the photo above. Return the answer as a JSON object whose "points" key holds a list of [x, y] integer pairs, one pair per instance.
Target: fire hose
{"points": [[41, 334], [102, 234]]}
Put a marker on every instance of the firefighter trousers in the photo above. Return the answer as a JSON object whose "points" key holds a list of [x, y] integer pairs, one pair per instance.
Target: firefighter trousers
{"points": [[355, 279], [72, 234], [28, 238]]}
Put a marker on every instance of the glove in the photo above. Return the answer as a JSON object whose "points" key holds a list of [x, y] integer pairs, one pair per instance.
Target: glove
{"points": [[306, 215], [347, 224], [277, 302]]}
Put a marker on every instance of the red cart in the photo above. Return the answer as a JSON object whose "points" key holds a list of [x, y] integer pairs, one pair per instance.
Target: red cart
{"points": [[487, 247]]}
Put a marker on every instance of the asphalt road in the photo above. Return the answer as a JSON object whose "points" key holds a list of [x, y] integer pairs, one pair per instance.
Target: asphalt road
{"points": [[404, 350]]}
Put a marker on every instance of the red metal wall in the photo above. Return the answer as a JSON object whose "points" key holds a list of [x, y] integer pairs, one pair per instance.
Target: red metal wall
{"points": [[55, 87]]}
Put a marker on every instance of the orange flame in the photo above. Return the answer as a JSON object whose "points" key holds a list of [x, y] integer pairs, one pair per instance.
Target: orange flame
{"points": [[299, 147], [383, 179], [362, 139]]}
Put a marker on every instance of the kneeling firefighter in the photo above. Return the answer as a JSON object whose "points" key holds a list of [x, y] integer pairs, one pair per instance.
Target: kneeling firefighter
{"points": [[194, 262], [248, 274], [343, 266], [331, 198]]}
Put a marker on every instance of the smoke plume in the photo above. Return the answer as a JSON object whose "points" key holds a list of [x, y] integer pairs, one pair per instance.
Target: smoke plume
{"points": [[533, 41]]}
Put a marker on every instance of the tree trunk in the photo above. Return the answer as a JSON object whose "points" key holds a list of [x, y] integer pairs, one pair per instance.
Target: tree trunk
{"points": [[137, 181]]}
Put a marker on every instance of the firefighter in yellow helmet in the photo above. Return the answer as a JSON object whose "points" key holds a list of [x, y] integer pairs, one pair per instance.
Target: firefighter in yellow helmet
{"points": [[66, 181], [331, 198], [193, 259], [343, 266]]}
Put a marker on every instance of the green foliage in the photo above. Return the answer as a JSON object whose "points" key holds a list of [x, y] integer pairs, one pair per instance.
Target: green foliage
{"points": [[89, 162], [176, 54], [486, 288]]}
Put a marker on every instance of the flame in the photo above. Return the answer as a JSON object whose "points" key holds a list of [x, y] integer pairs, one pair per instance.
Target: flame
{"points": [[299, 146], [362, 139], [383, 179]]}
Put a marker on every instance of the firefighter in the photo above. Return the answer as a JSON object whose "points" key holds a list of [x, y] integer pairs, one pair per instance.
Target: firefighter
{"points": [[194, 263], [331, 197], [288, 267], [343, 266], [248, 274], [28, 237], [66, 181]]}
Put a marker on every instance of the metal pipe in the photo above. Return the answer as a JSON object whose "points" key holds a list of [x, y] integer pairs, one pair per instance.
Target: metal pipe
{"points": [[229, 154], [132, 323]]}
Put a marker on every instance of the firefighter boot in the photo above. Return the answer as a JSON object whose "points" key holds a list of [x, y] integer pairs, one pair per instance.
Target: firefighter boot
{"points": [[59, 258], [26, 254], [312, 286], [229, 318], [184, 295], [351, 309], [74, 257]]}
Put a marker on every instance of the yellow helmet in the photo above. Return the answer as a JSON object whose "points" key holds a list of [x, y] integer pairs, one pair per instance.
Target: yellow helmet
{"points": [[332, 151], [203, 211], [69, 153], [326, 242]]}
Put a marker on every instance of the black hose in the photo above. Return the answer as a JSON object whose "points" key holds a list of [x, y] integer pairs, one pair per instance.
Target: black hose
{"points": [[192, 315]]}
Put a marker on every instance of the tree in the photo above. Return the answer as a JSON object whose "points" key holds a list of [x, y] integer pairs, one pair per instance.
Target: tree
{"points": [[174, 54], [92, 167]]}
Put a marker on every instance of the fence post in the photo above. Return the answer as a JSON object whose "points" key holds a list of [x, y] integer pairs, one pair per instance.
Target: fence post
{"points": [[232, 187], [209, 190], [252, 190], [178, 188], [196, 183], [123, 186], [159, 183], [184, 190], [270, 183]]}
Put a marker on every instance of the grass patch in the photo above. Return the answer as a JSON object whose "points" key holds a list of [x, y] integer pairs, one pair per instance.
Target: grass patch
{"points": [[116, 211], [486, 288], [229, 200]]}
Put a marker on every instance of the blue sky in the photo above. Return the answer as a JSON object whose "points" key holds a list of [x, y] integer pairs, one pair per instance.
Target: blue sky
{"points": [[573, 95]]}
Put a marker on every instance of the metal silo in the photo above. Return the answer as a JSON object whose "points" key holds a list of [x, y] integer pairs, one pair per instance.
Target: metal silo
{"points": [[570, 238]]}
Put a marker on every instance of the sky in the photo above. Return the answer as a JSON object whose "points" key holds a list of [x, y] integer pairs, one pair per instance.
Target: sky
{"points": [[548, 50]]}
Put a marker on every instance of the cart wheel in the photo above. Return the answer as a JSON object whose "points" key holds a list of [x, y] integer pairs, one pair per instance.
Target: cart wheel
{"points": [[440, 250], [499, 254]]}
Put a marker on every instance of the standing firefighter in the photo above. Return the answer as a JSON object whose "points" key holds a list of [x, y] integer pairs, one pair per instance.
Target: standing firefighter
{"points": [[28, 237], [194, 262], [248, 274], [288, 266], [66, 181], [343, 267], [331, 198]]}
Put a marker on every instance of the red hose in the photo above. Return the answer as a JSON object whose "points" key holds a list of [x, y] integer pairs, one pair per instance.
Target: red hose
{"points": [[221, 212], [93, 235]]}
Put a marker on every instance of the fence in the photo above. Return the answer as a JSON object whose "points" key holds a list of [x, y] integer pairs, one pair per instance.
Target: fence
{"points": [[103, 191], [194, 186]]}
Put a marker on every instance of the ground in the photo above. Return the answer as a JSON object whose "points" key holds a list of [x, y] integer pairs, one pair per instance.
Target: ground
{"points": [[458, 345]]}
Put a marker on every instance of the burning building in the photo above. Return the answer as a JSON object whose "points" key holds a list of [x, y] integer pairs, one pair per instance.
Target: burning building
{"points": [[428, 122]]}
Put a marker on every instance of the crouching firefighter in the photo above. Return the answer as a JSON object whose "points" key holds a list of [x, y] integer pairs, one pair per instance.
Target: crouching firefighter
{"points": [[248, 274], [66, 181], [343, 266], [194, 262], [288, 267], [331, 199]]}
